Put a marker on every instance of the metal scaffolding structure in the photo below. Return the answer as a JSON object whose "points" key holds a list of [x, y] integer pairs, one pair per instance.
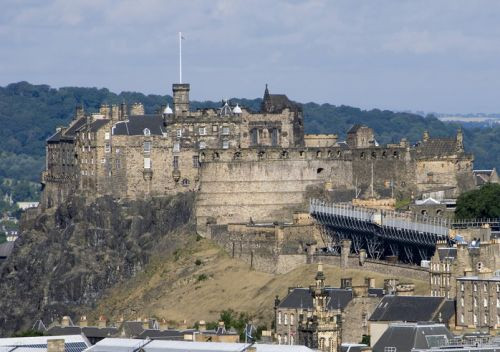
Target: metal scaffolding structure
{"points": [[381, 233]]}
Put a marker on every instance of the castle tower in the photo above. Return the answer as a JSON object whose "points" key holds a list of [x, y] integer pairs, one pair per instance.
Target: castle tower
{"points": [[181, 98]]}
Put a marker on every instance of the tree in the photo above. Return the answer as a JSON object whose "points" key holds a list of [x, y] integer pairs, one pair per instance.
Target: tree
{"points": [[482, 203]]}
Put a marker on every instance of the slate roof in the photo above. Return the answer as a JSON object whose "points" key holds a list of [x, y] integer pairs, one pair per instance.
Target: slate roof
{"points": [[6, 249], [301, 298], [435, 147], [276, 103], [137, 123], [447, 253], [97, 124], [407, 308], [76, 126], [405, 337], [161, 334], [88, 331], [55, 138]]}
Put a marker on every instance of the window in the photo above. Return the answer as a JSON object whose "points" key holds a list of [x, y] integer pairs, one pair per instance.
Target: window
{"points": [[279, 339], [179, 133], [485, 288], [461, 302], [254, 134], [498, 288], [147, 132], [475, 287], [177, 147], [196, 161], [485, 302], [475, 302], [107, 148], [202, 131], [225, 131], [279, 318], [291, 340], [389, 349], [106, 135], [462, 319], [286, 318], [215, 128], [462, 287], [185, 182], [225, 144], [275, 137], [292, 319], [103, 161], [498, 302], [176, 162], [147, 147], [147, 163], [202, 145]]}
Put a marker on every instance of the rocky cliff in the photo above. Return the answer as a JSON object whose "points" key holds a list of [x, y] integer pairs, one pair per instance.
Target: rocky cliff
{"points": [[67, 257]]}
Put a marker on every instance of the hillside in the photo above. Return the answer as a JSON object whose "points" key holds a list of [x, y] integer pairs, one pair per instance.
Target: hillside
{"points": [[30, 113], [67, 257], [176, 288]]}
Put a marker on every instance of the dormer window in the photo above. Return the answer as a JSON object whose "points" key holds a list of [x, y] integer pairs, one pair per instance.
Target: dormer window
{"points": [[147, 132]]}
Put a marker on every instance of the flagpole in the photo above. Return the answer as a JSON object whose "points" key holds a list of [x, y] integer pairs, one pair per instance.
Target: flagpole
{"points": [[180, 57]]}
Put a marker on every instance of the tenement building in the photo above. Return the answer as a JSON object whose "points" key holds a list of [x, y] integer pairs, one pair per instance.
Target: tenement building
{"points": [[478, 301], [321, 316], [243, 164]]}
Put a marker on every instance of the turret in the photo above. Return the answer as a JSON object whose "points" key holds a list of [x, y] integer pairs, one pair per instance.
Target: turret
{"points": [[181, 98], [460, 140]]}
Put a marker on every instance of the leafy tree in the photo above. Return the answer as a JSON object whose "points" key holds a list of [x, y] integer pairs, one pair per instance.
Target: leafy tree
{"points": [[481, 203]]}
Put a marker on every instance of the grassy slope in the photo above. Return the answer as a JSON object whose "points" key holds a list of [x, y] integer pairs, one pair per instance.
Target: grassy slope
{"points": [[171, 289]]}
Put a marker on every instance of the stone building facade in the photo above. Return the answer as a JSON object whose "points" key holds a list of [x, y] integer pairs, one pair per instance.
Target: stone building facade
{"points": [[478, 301], [243, 165]]}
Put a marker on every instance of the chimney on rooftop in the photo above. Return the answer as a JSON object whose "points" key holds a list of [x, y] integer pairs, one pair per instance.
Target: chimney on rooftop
{"points": [[83, 321], [137, 109], [163, 324], [103, 322], [145, 323], [55, 345], [405, 289], [202, 326], [66, 321]]}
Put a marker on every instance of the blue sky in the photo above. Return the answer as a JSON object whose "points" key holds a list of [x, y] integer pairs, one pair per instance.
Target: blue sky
{"points": [[425, 55]]}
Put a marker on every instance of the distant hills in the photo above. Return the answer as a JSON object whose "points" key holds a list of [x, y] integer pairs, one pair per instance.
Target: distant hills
{"points": [[30, 113]]}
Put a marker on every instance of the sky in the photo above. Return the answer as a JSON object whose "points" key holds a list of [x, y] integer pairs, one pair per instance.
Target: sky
{"points": [[427, 55]]}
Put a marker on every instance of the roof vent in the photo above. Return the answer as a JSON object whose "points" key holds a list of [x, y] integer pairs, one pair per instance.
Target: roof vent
{"points": [[168, 110], [237, 109]]}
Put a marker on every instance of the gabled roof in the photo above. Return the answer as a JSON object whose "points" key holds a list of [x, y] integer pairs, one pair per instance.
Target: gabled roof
{"points": [[407, 308], [136, 124], [301, 298], [97, 124], [405, 337], [75, 126]]}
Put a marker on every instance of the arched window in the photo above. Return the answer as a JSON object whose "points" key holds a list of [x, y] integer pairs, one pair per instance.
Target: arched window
{"points": [[292, 319], [286, 319], [279, 318]]}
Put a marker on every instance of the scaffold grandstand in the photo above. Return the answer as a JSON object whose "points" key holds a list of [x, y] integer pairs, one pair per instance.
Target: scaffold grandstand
{"points": [[408, 237]]}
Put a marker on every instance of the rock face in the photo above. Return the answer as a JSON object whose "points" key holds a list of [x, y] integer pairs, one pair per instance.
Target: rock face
{"points": [[66, 258]]}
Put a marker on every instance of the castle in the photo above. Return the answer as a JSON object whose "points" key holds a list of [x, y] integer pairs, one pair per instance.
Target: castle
{"points": [[245, 166]]}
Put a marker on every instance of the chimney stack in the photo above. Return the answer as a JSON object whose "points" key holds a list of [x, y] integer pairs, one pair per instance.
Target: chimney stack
{"points": [[405, 289], [66, 321], [83, 321], [55, 345], [390, 286], [137, 109], [163, 324], [202, 326], [103, 322]]}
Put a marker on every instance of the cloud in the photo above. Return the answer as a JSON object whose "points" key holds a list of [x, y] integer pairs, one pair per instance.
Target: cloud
{"points": [[364, 53]]}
